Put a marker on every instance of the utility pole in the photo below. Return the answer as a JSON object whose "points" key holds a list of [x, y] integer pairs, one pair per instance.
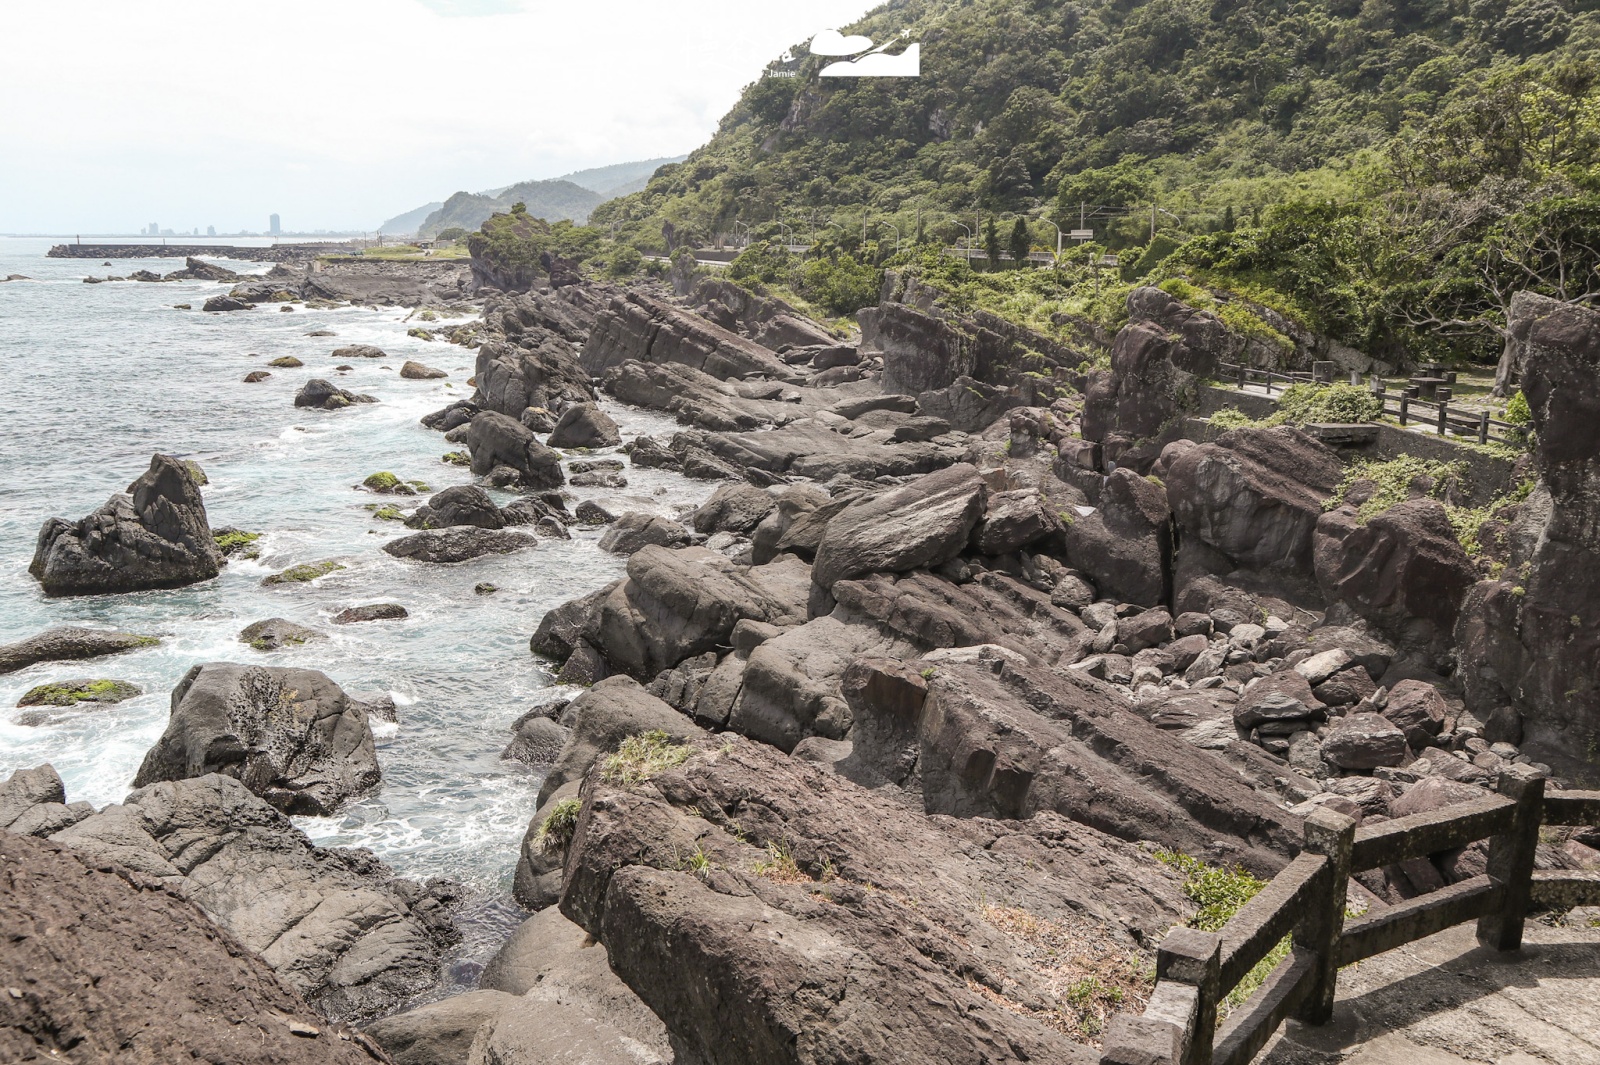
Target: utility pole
{"points": [[1082, 220], [1152, 221]]}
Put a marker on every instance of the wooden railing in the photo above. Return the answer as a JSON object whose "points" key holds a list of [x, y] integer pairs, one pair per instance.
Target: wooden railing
{"points": [[1406, 406], [1196, 971]]}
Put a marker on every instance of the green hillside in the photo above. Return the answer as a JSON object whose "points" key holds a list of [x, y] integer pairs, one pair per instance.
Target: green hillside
{"points": [[550, 200], [1379, 170]]}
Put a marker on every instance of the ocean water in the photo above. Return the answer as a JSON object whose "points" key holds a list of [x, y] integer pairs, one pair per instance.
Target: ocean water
{"points": [[96, 378]]}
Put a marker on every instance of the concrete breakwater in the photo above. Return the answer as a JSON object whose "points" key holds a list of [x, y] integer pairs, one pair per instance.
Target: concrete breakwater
{"points": [[277, 253]]}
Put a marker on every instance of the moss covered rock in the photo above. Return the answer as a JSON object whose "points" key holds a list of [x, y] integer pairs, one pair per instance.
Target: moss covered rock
{"points": [[73, 692], [306, 571]]}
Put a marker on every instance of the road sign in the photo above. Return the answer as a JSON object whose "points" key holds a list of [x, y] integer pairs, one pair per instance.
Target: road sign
{"points": [[1082, 234]]}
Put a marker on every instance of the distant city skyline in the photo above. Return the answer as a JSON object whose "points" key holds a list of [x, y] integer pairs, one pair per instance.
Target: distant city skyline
{"points": [[91, 151]]}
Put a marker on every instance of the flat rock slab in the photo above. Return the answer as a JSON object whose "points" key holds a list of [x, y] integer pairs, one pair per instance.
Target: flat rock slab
{"points": [[1444, 1000], [69, 644]]}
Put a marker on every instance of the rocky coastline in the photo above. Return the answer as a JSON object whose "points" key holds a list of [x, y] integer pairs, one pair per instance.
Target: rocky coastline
{"points": [[890, 748]]}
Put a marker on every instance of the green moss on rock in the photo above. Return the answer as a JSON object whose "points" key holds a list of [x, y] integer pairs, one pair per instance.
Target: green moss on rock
{"points": [[72, 692], [306, 571]]}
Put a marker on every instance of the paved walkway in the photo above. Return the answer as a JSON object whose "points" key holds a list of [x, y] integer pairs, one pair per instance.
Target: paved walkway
{"points": [[1444, 1001]]}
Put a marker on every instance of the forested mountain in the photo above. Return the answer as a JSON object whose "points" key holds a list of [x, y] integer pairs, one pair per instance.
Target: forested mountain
{"points": [[1383, 170]]}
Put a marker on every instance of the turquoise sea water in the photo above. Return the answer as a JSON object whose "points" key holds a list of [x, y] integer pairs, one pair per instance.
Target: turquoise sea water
{"points": [[96, 378]]}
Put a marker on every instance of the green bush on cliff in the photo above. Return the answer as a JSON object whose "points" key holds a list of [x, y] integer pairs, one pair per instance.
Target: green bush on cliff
{"points": [[1394, 481], [1381, 168], [1304, 403], [1220, 892]]}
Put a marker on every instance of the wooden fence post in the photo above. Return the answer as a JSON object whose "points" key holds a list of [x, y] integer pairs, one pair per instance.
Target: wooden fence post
{"points": [[1332, 835], [1405, 407], [1444, 414], [1189, 956], [1511, 857], [1240, 369], [1483, 427]]}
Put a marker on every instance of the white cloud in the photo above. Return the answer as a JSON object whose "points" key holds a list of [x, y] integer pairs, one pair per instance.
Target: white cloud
{"points": [[339, 113]]}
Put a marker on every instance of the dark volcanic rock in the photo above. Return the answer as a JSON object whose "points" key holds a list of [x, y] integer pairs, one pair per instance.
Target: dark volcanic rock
{"points": [[541, 372], [459, 544], [1364, 741], [1417, 709], [227, 303], [1404, 571], [825, 968], [641, 327], [917, 525], [1157, 360], [335, 925], [678, 604], [277, 633], [69, 645], [461, 504], [360, 351], [1125, 543], [371, 612], [1528, 646], [584, 425], [735, 508], [415, 371], [323, 395], [155, 536], [1254, 497], [195, 992], [1026, 739], [291, 735], [637, 529], [496, 440]]}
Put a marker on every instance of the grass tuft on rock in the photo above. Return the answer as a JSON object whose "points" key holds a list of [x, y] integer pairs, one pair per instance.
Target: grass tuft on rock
{"points": [[643, 756], [457, 458], [556, 830], [303, 573]]}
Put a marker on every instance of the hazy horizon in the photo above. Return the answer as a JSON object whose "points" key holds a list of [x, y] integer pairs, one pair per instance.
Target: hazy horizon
{"points": [[339, 114]]}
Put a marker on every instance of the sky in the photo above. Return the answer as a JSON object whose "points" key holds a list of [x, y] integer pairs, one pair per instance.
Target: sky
{"points": [[339, 114]]}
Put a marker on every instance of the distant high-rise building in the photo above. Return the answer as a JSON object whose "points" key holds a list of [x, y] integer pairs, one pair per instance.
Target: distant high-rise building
{"points": [[155, 229], [211, 231], [273, 227]]}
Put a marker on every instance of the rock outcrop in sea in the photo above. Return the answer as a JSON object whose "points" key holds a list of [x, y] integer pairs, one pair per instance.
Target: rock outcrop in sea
{"points": [[153, 536]]}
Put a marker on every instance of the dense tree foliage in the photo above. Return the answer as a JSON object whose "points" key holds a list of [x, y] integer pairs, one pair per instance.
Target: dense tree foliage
{"points": [[1387, 171]]}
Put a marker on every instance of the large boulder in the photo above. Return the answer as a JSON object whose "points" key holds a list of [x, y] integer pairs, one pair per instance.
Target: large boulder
{"points": [[1403, 570], [1254, 497], [461, 544], [917, 525], [496, 440], [542, 372], [1157, 362], [291, 735], [678, 604], [336, 925], [926, 349], [1528, 645], [637, 529], [154, 536], [117, 967], [735, 508], [324, 395], [69, 645], [461, 504], [1125, 544], [584, 425]]}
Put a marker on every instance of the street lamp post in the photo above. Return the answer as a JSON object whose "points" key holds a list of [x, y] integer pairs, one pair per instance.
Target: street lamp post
{"points": [[963, 225], [896, 229], [1058, 238]]}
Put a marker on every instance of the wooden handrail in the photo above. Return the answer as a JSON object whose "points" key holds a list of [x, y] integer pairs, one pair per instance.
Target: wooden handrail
{"points": [[1196, 970]]}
